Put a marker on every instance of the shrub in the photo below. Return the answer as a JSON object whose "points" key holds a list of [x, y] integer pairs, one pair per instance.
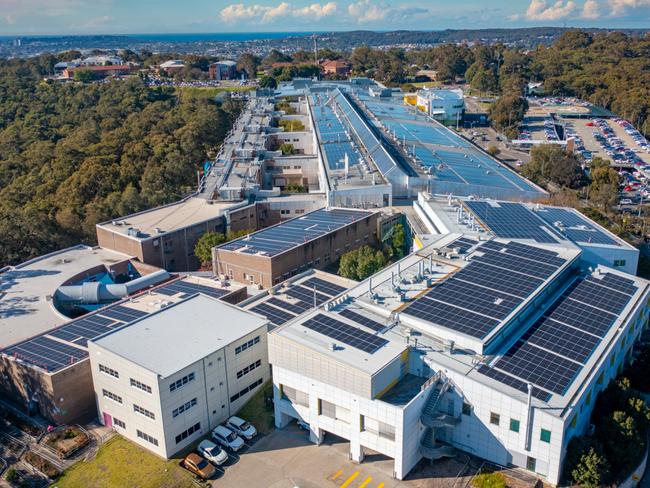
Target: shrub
{"points": [[12, 475], [489, 480]]}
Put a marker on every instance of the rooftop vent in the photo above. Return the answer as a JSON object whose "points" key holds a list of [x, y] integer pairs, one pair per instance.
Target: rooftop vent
{"points": [[332, 346]]}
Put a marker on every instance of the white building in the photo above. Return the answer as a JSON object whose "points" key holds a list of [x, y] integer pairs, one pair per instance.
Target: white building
{"points": [[174, 375], [495, 348], [443, 105]]}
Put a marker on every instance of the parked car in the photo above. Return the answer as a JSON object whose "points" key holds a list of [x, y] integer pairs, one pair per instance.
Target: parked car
{"points": [[213, 453], [227, 438], [199, 466], [626, 201], [241, 427]]}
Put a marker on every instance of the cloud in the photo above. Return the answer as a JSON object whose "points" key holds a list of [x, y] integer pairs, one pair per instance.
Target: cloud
{"points": [[367, 11], [542, 10], [264, 13], [591, 10], [622, 7], [10, 19]]}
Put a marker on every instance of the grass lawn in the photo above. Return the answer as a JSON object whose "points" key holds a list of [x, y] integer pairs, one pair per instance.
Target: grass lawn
{"points": [[120, 463], [427, 84], [257, 412]]}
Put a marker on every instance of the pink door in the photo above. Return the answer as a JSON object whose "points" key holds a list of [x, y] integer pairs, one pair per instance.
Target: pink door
{"points": [[108, 420]]}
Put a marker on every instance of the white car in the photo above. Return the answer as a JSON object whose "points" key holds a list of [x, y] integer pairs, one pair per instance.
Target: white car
{"points": [[227, 438], [241, 427], [213, 453], [626, 201]]}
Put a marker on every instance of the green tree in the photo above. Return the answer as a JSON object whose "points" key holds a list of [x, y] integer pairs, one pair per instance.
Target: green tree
{"points": [[508, 112], [398, 242], [268, 82], [550, 162], [592, 470], [84, 75], [203, 247], [248, 62], [603, 189], [361, 263], [287, 149]]}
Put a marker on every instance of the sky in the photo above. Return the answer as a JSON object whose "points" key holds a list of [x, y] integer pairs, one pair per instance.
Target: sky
{"points": [[22, 17]]}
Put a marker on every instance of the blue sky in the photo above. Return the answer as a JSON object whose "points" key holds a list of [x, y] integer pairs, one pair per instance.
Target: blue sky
{"points": [[163, 16]]}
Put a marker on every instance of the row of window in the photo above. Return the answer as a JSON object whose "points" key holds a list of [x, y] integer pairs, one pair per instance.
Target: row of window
{"points": [[248, 369], [184, 408], [250, 387], [144, 411], [119, 423], [181, 382], [109, 371], [186, 433], [112, 396], [147, 437], [495, 419], [140, 386], [246, 345]]}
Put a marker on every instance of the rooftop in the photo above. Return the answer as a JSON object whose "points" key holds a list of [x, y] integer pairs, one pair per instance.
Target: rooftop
{"points": [[181, 334], [441, 94], [168, 218], [64, 342], [295, 232], [26, 307]]}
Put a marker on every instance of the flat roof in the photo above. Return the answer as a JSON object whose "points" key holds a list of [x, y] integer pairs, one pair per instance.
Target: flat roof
{"points": [[167, 218], [556, 347], [65, 342], [25, 309], [181, 334], [295, 232]]}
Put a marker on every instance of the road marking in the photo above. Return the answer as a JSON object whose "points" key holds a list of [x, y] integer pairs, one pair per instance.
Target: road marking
{"points": [[380, 485], [365, 482], [337, 474], [350, 479]]}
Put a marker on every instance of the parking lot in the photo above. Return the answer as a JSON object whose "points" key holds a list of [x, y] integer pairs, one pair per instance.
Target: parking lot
{"points": [[286, 459]]}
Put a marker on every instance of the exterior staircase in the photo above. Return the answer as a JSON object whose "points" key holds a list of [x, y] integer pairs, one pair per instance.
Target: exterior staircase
{"points": [[434, 419]]}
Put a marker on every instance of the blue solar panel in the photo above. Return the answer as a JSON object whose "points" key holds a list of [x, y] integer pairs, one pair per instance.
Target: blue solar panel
{"points": [[282, 237], [575, 227]]}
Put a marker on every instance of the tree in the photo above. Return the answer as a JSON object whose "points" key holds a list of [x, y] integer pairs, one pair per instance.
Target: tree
{"points": [[507, 112], [248, 62], [268, 82], [84, 75], [550, 162], [287, 149], [398, 242], [203, 247], [592, 470], [361, 263], [493, 150], [603, 189]]}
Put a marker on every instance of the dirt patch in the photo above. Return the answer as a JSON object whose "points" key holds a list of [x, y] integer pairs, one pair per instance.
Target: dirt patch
{"points": [[66, 441]]}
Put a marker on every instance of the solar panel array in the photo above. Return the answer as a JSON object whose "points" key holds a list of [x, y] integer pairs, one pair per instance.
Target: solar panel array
{"points": [[575, 227], [282, 237], [477, 298], [280, 311], [362, 320], [512, 221], [52, 355], [332, 136], [516, 221], [463, 244], [551, 354], [347, 334]]}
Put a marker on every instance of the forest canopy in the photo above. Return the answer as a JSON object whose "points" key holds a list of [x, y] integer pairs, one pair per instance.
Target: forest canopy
{"points": [[72, 155]]}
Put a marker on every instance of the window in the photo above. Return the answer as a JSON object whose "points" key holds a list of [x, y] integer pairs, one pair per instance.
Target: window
{"points": [[109, 371], [467, 409], [514, 425], [249, 368], [186, 433], [144, 411], [140, 386], [619, 263], [494, 418], [284, 212], [181, 382], [246, 345], [294, 396], [112, 396], [327, 409], [300, 211], [545, 435], [119, 423], [184, 408], [147, 437], [249, 388], [531, 463]]}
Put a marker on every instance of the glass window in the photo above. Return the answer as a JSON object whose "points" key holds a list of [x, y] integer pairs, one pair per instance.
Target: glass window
{"points": [[514, 425], [545, 435], [467, 409], [494, 418]]}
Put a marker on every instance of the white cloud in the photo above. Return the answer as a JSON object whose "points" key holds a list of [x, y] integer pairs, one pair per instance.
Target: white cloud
{"points": [[365, 11], [264, 13], [591, 10], [622, 7], [542, 10], [10, 19]]}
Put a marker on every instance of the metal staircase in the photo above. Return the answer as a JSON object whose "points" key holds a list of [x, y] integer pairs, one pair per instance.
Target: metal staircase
{"points": [[434, 419]]}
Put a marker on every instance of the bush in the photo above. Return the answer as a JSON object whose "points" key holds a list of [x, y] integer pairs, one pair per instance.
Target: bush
{"points": [[493, 150], [287, 149], [42, 464], [292, 125], [12, 475], [361, 263], [489, 480], [203, 247]]}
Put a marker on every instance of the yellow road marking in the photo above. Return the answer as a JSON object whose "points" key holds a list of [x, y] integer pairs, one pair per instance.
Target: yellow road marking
{"points": [[380, 485], [350, 479], [337, 474], [365, 482]]}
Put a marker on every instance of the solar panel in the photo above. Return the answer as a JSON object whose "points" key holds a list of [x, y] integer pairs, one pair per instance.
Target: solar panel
{"points": [[516, 264], [275, 315], [566, 341], [347, 334], [591, 292], [306, 295], [189, 288], [575, 226], [323, 286], [46, 353], [618, 283], [513, 382], [296, 308], [362, 320]]}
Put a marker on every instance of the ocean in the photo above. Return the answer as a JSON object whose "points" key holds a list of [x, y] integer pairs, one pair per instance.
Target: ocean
{"points": [[216, 37]]}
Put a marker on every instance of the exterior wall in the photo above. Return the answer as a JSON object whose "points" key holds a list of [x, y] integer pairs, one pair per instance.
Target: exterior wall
{"points": [[294, 169], [319, 253], [302, 141], [244, 218], [63, 398], [607, 256], [214, 385]]}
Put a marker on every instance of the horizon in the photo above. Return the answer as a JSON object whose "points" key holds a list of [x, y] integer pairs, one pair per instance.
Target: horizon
{"points": [[165, 17]]}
